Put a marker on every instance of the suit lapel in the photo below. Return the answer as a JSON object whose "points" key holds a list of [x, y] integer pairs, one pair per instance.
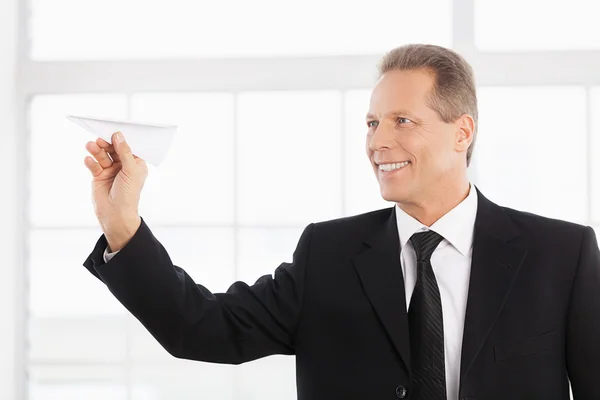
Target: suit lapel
{"points": [[498, 253], [380, 273]]}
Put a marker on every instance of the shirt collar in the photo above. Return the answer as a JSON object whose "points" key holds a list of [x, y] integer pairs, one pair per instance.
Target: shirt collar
{"points": [[456, 226]]}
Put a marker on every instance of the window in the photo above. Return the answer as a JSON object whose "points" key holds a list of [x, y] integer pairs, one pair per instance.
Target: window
{"points": [[271, 115], [229, 28], [56, 144], [278, 133], [199, 169], [531, 149], [534, 25]]}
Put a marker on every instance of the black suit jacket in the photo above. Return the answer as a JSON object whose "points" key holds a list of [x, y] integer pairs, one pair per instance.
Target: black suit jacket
{"points": [[532, 317]]}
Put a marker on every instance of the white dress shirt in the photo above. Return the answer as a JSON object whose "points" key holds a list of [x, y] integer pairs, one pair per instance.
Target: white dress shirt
{"points": [[451, 263], [107, 255]]}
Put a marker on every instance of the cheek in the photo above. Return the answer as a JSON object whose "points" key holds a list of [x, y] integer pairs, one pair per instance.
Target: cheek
{"points": [[426, 148], [438, 157], [368, 150], [414, 147]]}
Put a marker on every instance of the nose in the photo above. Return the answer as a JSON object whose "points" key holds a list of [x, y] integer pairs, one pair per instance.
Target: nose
{"points": [[381, 138]]}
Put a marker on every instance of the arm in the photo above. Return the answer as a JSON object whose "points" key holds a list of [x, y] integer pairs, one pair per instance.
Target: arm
{"points": [[583, 329], [243, 324]]}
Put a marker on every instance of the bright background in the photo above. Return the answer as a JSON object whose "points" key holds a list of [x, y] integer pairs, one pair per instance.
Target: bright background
{"points": [[270, 98]]}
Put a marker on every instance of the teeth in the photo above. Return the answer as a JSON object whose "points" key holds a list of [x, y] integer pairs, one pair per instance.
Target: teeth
{"points": [[391, 167]]}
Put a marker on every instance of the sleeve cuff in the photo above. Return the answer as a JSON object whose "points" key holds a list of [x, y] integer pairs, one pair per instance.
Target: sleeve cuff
{"points": [[100, 255], [107, 256]]}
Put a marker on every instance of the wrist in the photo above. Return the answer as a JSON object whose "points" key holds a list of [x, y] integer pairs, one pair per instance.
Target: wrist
{"points": [[119, 232]]}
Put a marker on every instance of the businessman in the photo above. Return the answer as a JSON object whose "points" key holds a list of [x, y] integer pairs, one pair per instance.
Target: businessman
{"points": [[445, 295]]}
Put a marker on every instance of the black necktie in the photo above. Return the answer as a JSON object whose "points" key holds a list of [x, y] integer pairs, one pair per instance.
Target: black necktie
{"points": [[426, 324]]}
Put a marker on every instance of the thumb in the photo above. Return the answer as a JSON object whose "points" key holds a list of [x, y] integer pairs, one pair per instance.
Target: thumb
{"points": [[124, 151]]}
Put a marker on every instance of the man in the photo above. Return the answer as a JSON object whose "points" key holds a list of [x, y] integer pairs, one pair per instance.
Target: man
{"points": [[446, 295]]}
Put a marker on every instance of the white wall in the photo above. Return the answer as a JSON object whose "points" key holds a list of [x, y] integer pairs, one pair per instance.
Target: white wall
{"points": [[10, 192]]}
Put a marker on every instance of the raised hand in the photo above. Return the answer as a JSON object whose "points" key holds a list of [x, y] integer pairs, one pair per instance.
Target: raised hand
{"points": [[118, 179]]}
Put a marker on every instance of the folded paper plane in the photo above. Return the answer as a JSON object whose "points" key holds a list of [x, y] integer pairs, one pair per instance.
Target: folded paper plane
{"points": [[149, 142]]}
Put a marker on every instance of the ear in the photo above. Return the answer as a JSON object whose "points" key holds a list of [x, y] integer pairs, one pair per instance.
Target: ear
{"points": [[465, 129]]}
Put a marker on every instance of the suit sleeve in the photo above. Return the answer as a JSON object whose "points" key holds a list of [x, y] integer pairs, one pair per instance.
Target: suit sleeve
{"points": [[243, 324], [583, 329]]}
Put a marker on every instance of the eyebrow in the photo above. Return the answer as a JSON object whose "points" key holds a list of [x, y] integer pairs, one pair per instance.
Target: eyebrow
{"points": [[397, 113]]}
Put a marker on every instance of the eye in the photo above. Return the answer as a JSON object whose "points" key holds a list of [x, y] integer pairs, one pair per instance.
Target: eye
{"points": [[371, 124], [402, 120]]}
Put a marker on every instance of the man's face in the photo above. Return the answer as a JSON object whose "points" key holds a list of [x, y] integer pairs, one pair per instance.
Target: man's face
{"points": [[402, 128]]}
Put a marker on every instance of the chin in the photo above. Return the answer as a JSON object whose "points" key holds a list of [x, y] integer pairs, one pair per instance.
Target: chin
{"points": [[396, 195]]}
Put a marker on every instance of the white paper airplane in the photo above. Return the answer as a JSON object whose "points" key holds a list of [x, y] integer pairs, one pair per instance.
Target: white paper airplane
{"points": [[149, 142]]}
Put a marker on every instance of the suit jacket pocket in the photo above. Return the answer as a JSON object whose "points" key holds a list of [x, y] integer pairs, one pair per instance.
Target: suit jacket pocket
{"points": [[509, 350]]}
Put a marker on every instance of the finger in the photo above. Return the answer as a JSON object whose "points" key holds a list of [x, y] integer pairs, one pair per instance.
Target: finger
{"points": [[99, 154], [124, 151], [141, 162], [109, 148], [93, 166], [101, 142]]}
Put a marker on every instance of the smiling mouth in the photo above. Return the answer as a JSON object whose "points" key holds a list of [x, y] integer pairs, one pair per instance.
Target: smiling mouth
{"points": [[393, 166]]}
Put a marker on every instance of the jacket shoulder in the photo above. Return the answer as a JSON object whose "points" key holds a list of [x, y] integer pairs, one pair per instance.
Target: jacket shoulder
{"points": [[349, 232], [360, 221], [539, 224]]}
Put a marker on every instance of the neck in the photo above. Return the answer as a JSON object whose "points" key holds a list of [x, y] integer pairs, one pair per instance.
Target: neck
{"points": [[433, 205]]}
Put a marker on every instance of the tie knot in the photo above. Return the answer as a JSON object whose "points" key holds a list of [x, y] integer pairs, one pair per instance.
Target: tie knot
{"points": [[425, 243]]}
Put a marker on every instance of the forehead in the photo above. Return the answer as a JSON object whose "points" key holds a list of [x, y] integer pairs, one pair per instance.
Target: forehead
{"points": [[401, 89]]}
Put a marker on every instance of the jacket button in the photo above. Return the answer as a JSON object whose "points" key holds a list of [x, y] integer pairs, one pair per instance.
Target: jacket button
{"points": [[401, 392]]}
